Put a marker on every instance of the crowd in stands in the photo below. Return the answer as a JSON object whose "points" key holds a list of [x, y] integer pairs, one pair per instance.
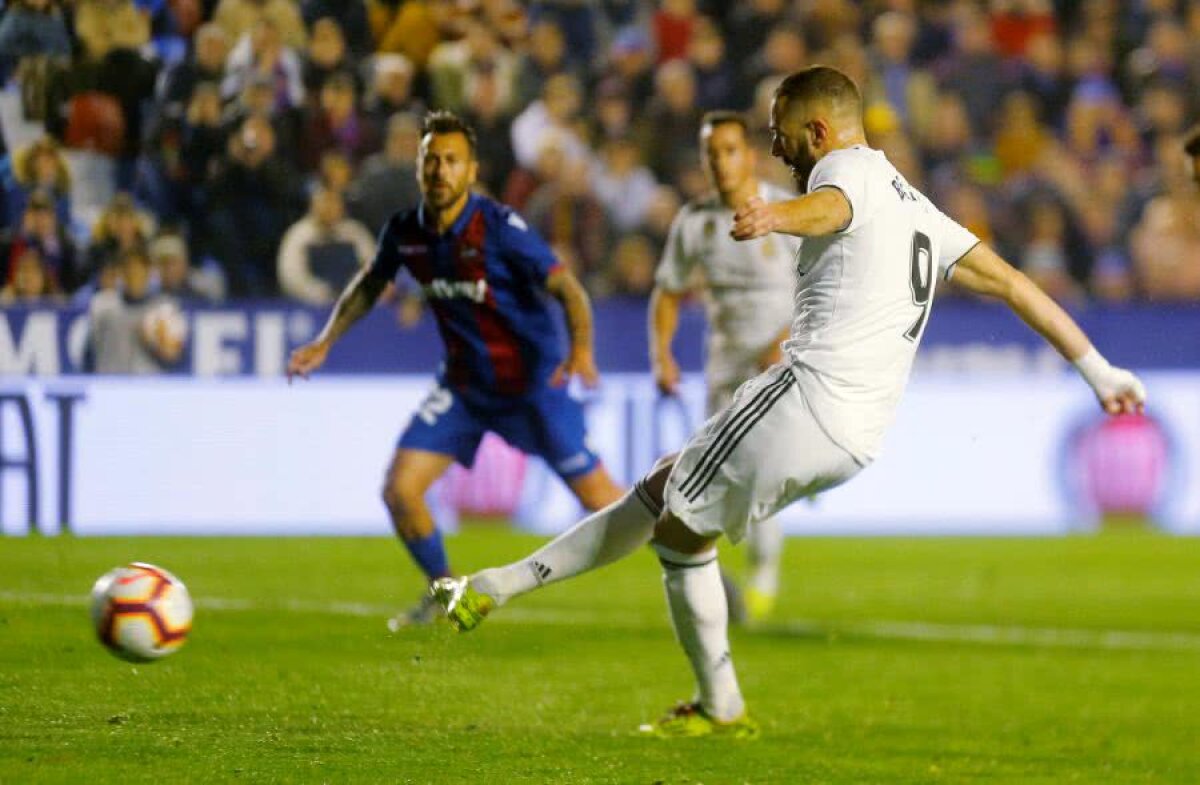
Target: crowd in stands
{"points": [[253, 148]]}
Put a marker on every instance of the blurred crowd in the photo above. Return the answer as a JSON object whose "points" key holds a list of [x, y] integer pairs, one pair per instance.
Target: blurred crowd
{"points": [[253, 148]]}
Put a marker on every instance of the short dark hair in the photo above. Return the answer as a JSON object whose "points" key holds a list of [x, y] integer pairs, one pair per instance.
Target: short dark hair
{"points": [[1191, 141], [820, 82], [444, 122], [719, 117]]}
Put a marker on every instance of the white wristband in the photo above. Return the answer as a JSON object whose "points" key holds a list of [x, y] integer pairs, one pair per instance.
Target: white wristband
{"points": [[1092, 366]]}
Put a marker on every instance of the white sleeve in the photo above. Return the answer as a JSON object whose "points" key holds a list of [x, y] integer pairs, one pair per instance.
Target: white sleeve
{"points": [[675, 269], [953, 242], [850, 172]]}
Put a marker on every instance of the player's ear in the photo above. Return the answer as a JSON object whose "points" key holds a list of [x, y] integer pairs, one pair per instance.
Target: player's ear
{"points": [[472, 170]]}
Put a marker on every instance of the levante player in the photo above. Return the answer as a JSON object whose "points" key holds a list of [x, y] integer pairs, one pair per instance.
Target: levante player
{"points": [[489, 280]]}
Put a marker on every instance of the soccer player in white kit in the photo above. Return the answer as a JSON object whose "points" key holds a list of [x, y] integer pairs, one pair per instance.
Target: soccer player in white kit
{"points": [[873, 246], [748, 296]]}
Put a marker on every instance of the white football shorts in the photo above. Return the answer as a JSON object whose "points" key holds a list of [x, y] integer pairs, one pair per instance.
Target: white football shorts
{"points": [[755, 457]]}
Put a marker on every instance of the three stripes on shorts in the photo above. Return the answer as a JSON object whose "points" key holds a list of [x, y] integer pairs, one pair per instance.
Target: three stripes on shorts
{"points": [[732, 432]]}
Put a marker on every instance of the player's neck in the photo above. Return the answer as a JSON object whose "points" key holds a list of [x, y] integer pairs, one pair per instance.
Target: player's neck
{"points": [[442, 220], [738, 197]]}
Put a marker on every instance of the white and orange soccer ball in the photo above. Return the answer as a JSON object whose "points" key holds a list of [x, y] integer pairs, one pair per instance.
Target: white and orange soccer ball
{"points": [[141, 612]]}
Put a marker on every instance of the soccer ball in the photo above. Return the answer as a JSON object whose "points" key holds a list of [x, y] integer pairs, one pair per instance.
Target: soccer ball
{"points": [[141, 612]]}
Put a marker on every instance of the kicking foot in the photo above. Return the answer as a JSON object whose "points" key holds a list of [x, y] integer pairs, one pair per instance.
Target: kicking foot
{"points": [[462, 605], [688, 720], [426, 611]]}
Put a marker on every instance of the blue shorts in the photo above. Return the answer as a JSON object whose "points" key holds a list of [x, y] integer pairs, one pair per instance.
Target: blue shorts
{"points": [[547, 423]]}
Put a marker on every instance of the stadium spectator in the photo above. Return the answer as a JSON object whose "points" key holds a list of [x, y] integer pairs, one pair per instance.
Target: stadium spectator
{"points": [[545, 56], [1021, 140], [40, 166], [1165, 243], [630, 63], [325, 56], [1044, 256], [1042, 74], [252, 198], [623, 184], [107, 25], [493, 125], [240, 17], [522, 182], [351, 17], [207, 64], [132, 330], [322, 251], [31, 27], [554, 115], [783, 51], [30, 282], [98, 102], [407, 27], [335, 172], [40, 229], [176, 276], [974, 72], [578, 21], [749, 23], [263, 54], [908, 90], [674, 116], [612, 116], [337, 123], [673, 24], [391, 89], [571, 218], [455, 65], [121, 227], [1014, 24], [716, 78], [387, 181]]}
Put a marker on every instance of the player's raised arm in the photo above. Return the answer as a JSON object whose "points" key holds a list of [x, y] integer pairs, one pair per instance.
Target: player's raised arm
{"points": [[982, 271], [581, 360], [355, 302]]}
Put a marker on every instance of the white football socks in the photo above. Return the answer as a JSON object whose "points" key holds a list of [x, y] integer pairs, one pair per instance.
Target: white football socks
{"points": [[700, 615], [764, 543], [601, 538]]}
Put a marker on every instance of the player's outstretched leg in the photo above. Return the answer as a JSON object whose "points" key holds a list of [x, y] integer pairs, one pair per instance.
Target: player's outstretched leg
{"points": [[764, 542], [410, 475], [601, 538], [696, 600]]}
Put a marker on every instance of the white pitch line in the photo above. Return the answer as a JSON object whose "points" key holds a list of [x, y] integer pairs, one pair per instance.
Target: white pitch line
{"points": [[931, 632]]}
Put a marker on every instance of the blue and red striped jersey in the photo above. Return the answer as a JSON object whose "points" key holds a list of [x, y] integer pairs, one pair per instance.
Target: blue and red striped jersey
{"points": [[485, 281]]}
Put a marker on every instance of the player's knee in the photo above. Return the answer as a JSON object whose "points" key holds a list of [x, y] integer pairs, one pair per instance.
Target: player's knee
{"points": [[402, 497], [655, 480]]}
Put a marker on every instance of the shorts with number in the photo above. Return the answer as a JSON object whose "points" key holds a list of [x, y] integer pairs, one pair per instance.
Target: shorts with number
{"points": [[547, 423], [755, 457]]}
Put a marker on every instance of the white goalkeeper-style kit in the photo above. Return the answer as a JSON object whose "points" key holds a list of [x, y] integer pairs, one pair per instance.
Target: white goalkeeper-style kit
{"points": [[862, 300], [749, 288]]}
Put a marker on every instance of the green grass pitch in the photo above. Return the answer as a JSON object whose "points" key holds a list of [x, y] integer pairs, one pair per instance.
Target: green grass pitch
{"points": [[892, 661]]}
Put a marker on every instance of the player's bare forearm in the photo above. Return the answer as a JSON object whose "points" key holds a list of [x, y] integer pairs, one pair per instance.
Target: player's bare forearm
{"points": [[822, 212], [664, 321], [983, 271], [578, 307], [354, 303]]}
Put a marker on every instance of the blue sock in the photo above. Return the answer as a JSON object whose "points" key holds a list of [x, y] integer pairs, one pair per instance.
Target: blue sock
{"points": [[430, 555]]}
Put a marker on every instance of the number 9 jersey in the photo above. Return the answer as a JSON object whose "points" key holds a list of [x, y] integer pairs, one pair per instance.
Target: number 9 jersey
{"points": [[863, 296]]}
